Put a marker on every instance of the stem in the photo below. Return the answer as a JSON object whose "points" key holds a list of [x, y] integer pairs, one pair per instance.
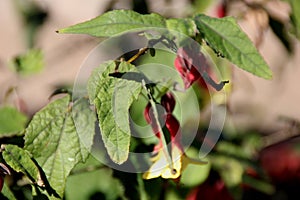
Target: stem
{"points": [[162, 137], [136, 56]]}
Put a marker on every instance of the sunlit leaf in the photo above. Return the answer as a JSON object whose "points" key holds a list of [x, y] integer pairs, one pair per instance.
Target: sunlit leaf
{"points": [[11, 120], [112, 98], [183, 26], [116, 22], [228, 40], [54, 139], [20, 161]]}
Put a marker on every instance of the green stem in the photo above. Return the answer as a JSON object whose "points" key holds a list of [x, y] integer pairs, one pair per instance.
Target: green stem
{"points": [[162, 137]]}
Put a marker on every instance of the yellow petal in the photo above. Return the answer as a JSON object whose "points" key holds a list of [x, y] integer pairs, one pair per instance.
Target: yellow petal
{"points": [[161, 167]]}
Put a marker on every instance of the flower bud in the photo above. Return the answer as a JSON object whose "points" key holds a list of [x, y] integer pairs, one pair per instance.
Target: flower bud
{"points": [[172, 125]]}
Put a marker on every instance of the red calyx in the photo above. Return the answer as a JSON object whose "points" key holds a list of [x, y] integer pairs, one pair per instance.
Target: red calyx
{"points": [[168, 102], [149, 116]]}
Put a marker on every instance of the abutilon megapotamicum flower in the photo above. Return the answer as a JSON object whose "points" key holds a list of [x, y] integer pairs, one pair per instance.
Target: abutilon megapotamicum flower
{"points": [[163, 166]]}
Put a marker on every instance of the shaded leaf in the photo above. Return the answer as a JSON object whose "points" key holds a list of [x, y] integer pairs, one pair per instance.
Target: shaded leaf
{"points": [[112, 98], [6, 193], [20, 161], [116, 22], [226, 38], [54, 138], [11, 120], [91, 172]]}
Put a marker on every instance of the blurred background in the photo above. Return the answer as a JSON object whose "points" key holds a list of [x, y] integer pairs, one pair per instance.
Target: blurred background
{"points": [[258, 155]]}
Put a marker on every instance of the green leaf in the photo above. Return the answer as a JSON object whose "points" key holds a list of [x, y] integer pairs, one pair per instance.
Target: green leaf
{"points": [[11, 120], [78, 189], [225, 37], [230, 169], [20, 161], [295, 16], [112, 98], [184, 26], [84, 119], [29, 63], [99, 73], [116, 22], [54, 135]]}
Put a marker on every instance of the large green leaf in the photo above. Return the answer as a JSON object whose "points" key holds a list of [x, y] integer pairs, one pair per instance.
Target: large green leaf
{"points": [[20, 161], [183, 26], [53, 138], [11, 120], [116, 22], [225, 37], [112, 98]]}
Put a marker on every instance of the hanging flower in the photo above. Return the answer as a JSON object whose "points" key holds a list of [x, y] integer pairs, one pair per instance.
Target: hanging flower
{"points": [[171, 164]]}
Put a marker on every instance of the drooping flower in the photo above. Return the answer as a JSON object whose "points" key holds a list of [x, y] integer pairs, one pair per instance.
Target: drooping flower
{"points": [[170, 165]]}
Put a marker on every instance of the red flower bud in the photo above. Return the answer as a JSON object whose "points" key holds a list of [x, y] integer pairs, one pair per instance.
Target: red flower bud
{"points": [[149, 116], [168, 102], [172, 125]]}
